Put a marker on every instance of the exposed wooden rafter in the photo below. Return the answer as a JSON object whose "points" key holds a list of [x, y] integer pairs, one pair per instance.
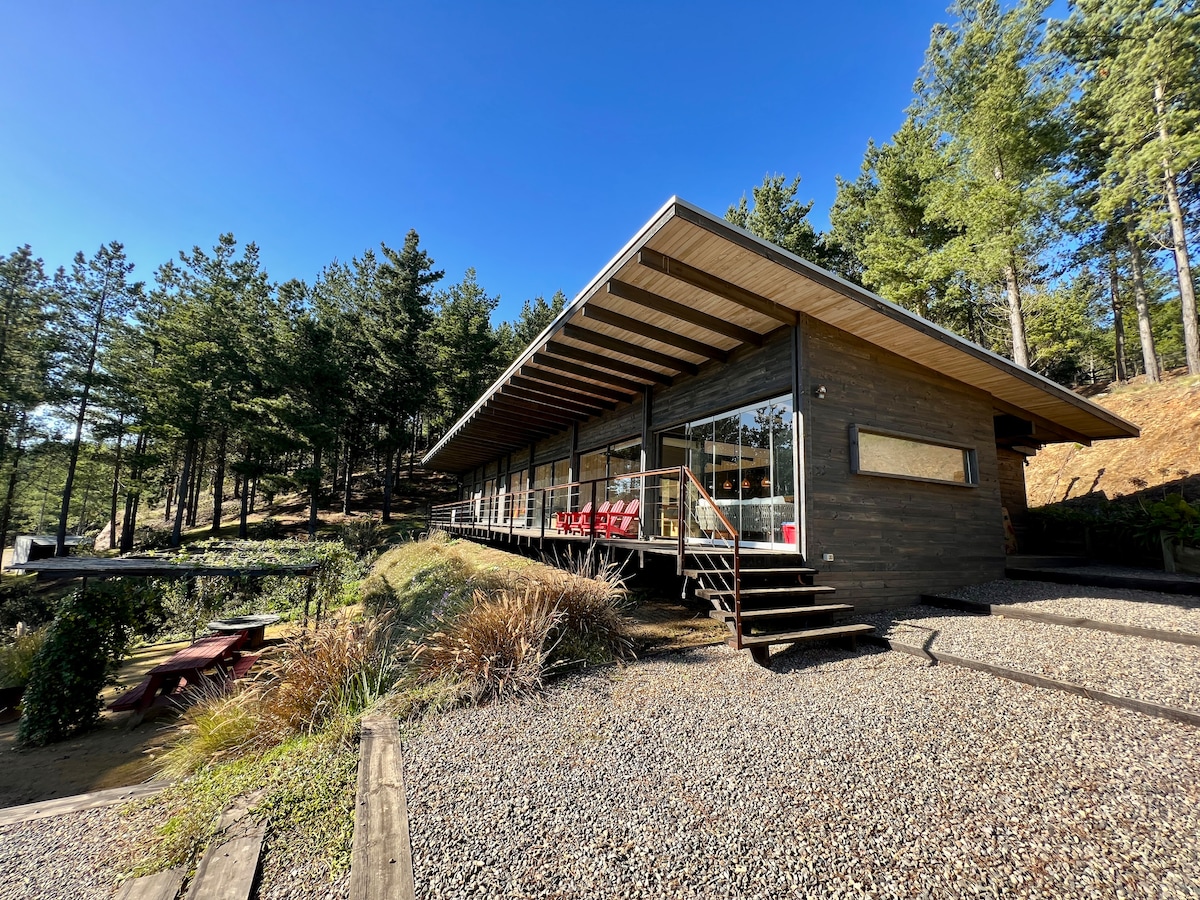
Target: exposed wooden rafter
{"points": [[698, 278], [615, 345], [661, 335], [684, 313], [566, 351], [536, 411], [536, 392], [601, 391], [545, 361]]}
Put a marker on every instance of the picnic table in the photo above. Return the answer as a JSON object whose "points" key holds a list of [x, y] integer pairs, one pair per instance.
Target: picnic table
{"points": [[255, 627], [187, 667]]}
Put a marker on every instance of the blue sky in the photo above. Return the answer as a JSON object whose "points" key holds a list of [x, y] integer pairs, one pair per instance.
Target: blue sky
{"points": [[529, 140]]}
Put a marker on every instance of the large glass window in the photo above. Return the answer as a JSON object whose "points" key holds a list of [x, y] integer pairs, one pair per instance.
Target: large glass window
{"points": [[611, 463], [898, 455], [745, 460]]}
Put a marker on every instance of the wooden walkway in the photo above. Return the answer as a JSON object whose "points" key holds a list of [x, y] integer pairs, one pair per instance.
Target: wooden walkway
{"points": [[381, 856]]}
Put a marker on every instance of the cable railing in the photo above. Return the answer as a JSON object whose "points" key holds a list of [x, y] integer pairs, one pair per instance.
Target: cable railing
{"points": [[662, 506]]}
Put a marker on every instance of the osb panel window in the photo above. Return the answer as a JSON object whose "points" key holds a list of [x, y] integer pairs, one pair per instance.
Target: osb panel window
{"points": [[894, 454]]}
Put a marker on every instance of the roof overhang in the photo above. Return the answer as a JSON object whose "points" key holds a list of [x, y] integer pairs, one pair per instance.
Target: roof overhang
{"points": [[689, 289]]}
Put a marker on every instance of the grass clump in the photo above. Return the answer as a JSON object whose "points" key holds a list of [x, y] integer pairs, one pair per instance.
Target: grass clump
{"points": [[323, 682], [507, 640], [16, 658], [497, 647]]}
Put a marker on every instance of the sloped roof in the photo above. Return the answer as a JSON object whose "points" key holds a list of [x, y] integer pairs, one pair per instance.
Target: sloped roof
{"points": [[691, 288]]}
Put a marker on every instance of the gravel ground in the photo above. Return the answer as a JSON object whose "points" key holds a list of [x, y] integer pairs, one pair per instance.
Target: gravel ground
{"points": [[1150, 609], [836, 775], [70, 857], [1136, 667], [79, 856]]}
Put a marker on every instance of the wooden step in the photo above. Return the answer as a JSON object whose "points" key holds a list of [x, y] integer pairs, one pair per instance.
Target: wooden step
{"points": [[807, 634], [722, 615], [767, 592]]}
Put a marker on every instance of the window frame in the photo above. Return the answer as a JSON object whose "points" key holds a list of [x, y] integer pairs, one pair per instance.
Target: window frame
{"points": [[970, 456]]}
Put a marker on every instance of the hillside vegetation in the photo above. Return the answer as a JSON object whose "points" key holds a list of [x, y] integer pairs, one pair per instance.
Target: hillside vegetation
{"points": [[1165, 459]]}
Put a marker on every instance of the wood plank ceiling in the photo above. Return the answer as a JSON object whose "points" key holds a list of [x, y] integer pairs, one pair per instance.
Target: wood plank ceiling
{"points": [[690, 290]]}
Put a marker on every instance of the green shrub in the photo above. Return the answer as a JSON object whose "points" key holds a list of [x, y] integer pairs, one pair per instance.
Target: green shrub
{"points": [[269, 529], [1178, 518], [82, 649]]}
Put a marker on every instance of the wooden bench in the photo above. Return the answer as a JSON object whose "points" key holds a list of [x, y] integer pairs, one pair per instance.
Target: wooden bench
{"points": [[132, 698], [242, 665]]}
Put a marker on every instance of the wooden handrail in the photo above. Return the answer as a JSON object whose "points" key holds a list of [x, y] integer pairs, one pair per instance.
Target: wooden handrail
{"points": [[737, 568]]}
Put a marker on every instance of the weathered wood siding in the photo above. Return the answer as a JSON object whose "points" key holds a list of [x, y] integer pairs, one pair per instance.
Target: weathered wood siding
{"points": [[549, 449], [1012, 482], [893, 539], [754, 374], [618, 424]]}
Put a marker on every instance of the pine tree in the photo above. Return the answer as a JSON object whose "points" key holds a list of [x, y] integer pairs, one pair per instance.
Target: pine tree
{"points": [[1140, 65], [777, 216], [96, 298], [986, 87]]}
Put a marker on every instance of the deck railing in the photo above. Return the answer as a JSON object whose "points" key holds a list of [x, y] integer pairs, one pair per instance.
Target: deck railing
{"points": [[673, 506]]}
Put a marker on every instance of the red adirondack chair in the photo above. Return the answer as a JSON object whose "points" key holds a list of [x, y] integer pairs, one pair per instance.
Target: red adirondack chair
{"points": [[603, 517], [577, 519], [625, 524]]}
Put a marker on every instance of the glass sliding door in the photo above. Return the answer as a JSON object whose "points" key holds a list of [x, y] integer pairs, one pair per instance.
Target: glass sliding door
{"points": [[745, 458]]}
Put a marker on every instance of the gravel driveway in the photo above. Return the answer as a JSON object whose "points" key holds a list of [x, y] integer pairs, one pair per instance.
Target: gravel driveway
{"points": [[837, 775]]}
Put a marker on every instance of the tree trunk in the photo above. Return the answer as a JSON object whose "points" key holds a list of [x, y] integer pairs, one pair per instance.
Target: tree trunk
{"points": [[387, 485], [1183, 268], [13, 477], [1114, 294], [60, 548], [244, 496], [133, 498], [1016, 318], [349, 479], [412, 451], [1142, 303], [315, 491], [253, 493], [116, 484], [194, 486], [219, 483], [185, 475]]}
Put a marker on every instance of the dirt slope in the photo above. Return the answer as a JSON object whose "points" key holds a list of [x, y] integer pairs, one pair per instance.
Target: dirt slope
{"points": [[1165, 458]]}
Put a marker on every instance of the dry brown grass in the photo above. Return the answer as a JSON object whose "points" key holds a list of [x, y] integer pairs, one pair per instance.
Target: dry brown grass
{"points": [[322, 682], [497, 648]]}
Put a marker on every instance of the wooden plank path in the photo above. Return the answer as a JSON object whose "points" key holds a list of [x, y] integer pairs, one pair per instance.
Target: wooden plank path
{"points": [[1033, 615], [228, 871], [161, 886], [381, 855], [45, 809]]}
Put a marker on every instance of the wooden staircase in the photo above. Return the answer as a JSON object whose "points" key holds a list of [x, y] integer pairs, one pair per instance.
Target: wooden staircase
{"points": [[766, 600]]}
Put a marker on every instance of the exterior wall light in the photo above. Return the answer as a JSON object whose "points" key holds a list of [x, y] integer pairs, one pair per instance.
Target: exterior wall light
{"points": [[820, 391]]}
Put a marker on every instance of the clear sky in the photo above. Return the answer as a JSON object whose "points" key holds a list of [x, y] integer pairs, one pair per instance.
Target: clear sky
{"points": [[529, 140]]}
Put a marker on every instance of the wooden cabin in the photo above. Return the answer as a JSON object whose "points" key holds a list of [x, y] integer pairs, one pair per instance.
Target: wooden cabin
{"points": [[780, 432]]}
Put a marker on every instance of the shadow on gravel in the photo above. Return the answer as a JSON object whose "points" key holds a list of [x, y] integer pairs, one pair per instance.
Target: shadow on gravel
{"points": [[798, 658]]}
